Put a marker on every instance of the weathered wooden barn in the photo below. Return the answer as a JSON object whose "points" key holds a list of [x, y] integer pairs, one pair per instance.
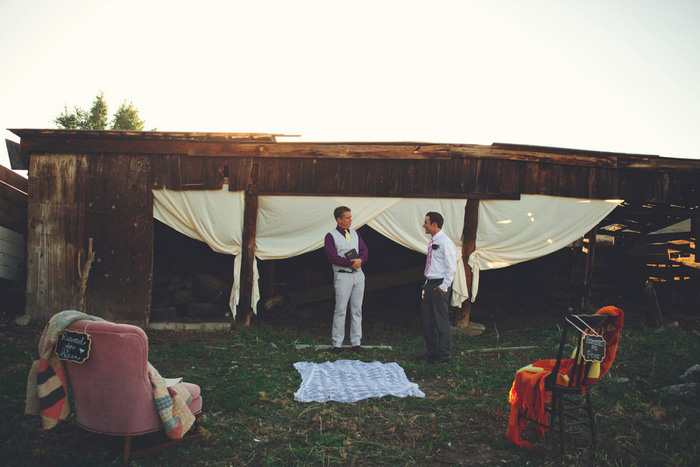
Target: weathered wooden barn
{"points": [[90, 193]]}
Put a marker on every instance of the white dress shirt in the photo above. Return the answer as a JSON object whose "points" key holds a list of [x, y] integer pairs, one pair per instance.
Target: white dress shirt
{"points": [[443, 262]]}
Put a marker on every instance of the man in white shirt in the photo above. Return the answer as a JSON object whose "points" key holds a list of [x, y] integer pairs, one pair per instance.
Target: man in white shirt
{"points": [[440, 269]]}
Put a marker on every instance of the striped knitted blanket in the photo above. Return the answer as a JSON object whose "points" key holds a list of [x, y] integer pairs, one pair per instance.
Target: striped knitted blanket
{"points": [[47, 386]]}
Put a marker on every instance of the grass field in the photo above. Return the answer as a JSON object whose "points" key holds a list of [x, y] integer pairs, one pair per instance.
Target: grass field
{"points": [[251, 418]]}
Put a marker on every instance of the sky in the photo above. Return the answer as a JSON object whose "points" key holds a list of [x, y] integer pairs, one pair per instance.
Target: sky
{"points": [[618, 76]]}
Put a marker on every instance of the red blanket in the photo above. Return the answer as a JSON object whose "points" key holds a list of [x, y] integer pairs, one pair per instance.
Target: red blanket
{"points": [[527, 395]]}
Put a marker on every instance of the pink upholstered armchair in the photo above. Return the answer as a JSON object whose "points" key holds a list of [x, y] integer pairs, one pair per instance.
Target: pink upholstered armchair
{"points": [[112, 391]]}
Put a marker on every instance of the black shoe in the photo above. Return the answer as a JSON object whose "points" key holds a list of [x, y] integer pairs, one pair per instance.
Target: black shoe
{"points": [[335, 350], [439, 360], [357, 349], [425, 356]]}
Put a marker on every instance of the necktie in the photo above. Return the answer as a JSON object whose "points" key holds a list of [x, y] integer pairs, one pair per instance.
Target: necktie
{"points": [[430, 255], [347, 235]]}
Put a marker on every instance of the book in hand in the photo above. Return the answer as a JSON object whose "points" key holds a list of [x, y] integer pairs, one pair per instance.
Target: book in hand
{"points": [[352, 254]]}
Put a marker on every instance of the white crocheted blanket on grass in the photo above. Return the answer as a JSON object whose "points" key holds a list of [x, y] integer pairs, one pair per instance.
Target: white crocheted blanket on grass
{"points": [[351, 381]]}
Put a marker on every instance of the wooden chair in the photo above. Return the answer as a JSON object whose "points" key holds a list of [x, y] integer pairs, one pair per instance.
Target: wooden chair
{"points": [[571, 401], [113, 394]]}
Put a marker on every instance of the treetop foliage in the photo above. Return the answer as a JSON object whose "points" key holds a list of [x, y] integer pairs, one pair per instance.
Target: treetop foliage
{"points": [[125, 118]]}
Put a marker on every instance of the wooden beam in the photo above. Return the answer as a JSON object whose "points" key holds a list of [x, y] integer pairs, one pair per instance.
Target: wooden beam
{"points": [[265, 145], [695, 235], [250, 219], [378, 282], [13, 195], [471, 222], [499, 196], [13, 179]]}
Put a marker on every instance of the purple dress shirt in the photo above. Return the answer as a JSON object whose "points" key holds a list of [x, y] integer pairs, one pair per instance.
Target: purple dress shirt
{"points": [[332, 253]]}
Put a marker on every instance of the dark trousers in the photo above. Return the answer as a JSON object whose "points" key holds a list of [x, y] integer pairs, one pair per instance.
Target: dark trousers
{"points": [[436, 321]]}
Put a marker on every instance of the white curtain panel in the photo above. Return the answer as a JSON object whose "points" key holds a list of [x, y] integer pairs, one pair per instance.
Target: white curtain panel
{"points": [[293, 225], [510, 232], [214, 217], [403, 223]]}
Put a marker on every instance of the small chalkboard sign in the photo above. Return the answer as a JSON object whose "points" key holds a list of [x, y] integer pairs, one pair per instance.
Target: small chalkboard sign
{"points": [[73, 346], [593, 348]]}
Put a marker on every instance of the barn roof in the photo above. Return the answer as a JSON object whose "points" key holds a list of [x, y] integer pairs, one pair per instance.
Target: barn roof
{"points": [[259, 162]]}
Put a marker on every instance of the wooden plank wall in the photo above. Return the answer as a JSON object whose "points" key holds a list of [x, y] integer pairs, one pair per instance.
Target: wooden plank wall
{"points": [[454, 177], [56, 205], [119, 217], [74, 198]]}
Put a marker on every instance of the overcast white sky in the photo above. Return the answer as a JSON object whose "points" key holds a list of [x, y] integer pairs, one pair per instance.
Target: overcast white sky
{"points": [[619, 76]]}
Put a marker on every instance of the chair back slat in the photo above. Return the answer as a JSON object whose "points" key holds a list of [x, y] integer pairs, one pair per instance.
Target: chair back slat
{"points": [[578, 325]]}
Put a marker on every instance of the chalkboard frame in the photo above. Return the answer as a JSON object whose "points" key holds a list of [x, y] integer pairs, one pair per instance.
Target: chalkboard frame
{"points": [[586, 337], [60, 345]]}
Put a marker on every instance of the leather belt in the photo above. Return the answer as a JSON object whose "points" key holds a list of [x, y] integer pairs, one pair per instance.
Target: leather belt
{"points": [[347, 272], [434, 281]]}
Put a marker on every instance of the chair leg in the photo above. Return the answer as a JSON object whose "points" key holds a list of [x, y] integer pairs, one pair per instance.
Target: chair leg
{"points": [[77, 434], [562, 427], [591, 419], [127, 450]]}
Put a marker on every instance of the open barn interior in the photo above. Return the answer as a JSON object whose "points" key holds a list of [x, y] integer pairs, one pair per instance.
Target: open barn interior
{"points": [[192, 283]]}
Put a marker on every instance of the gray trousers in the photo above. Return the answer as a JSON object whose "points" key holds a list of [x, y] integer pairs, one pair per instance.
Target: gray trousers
{"points": [[349, 292], [436, 321]]}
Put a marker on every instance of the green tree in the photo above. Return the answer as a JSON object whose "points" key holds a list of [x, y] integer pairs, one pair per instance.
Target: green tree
{"points": [[125, 118], [97, 118]]}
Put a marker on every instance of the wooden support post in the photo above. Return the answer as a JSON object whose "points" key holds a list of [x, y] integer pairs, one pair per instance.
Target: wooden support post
{"points": [[695, 236], [588, 272], [471, 221], [250, 220]]}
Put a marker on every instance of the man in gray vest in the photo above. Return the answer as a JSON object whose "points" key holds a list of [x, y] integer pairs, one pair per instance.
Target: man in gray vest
{"points": [[346, 252]]}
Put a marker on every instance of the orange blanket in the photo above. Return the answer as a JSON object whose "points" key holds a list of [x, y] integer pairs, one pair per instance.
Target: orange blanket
{"points": [[527, 395]]}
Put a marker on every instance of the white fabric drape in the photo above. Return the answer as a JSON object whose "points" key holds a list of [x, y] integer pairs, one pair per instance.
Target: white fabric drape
{"points": [[510, 232], [293, 225], [403, 223], [214, 217]]}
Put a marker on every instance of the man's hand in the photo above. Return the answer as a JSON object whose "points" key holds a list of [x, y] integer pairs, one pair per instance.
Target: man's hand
{"points": [[442, 292], [356, 263]]}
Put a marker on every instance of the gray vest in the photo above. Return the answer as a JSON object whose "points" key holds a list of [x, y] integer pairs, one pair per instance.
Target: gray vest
{"points": [[342, 246]]}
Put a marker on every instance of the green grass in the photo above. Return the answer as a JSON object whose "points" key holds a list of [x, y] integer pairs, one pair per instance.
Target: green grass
{"points": [[251, 418]]}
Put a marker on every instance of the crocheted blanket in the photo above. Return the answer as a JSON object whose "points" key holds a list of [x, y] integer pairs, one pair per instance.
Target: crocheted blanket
{"points": [[47, 386], [351, 381]]}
